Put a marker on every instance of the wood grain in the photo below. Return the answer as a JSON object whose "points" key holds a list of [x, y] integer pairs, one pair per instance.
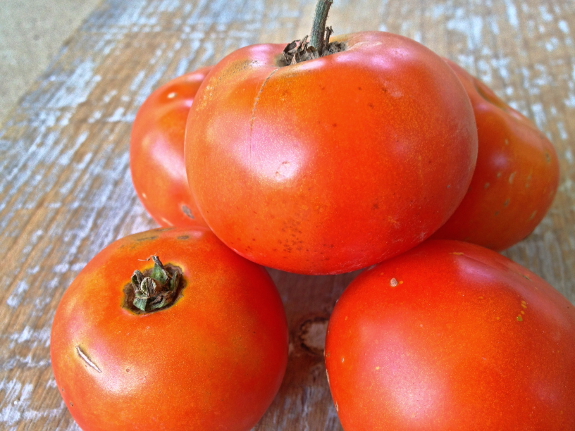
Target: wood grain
{"points": [[65, 183]]}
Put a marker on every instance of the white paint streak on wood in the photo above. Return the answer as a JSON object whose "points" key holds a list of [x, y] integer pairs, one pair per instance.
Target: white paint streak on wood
{"points": [[16, 394], [15, 298], [568, 151]]}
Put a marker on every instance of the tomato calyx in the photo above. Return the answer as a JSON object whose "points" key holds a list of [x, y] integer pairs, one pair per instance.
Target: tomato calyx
{"points": [[154, 289], [319, 45]]}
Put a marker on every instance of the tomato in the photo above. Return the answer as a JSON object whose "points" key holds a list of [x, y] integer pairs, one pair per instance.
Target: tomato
{"points": [[212, 359], [157, 152], [516, 177], [331, 164], [452, 336]]}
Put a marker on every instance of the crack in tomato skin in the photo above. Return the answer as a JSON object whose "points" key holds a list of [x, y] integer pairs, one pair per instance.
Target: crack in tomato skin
{"points": [[84, 357], [253, 114]]}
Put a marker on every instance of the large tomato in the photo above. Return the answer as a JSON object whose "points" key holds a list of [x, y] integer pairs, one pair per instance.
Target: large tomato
{"points": [[206, 349], [452, 336], [516, 177], [157, 152], [334, 163]]}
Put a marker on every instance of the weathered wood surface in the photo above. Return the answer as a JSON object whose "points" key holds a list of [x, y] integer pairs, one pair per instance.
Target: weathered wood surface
{"points": [[66, 190]]}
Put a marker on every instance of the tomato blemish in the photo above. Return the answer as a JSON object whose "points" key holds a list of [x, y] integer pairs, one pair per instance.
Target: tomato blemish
{"points": [[187, 211], [87, 359]]}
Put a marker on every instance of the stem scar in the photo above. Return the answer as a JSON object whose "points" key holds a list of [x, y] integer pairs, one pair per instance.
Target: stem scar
{"points": [[87, 359]]}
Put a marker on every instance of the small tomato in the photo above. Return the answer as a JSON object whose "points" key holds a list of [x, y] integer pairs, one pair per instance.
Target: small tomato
{"points": [[196, 339], [157, 152], [515, 179]]}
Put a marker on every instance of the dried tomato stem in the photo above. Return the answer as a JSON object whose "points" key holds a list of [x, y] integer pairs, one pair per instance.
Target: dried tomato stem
{"points": [[319, 23], [319, 45], [154, 289]]}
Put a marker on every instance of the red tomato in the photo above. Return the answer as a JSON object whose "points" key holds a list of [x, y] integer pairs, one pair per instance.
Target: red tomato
{"points": [[451, 336], [157, 152], [331, 164], [516, 177], [213, 360]]}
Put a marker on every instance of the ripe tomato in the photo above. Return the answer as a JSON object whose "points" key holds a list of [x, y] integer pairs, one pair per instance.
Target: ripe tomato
{"points": [[212, 360], [516, 177], [331, 164], [452, 336], [157, 152]]}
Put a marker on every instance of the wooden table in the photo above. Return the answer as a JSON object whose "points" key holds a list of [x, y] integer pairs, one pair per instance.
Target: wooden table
{"points": [[66, 190]]}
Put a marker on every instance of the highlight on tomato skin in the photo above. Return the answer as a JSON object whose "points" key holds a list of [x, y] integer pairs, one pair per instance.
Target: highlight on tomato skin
{"points": [[331, 164], [452, 336], [516, 177], [169, 329], [157, 152]]}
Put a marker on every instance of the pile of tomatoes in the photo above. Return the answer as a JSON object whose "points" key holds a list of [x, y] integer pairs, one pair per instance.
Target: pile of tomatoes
{"points": [[369, 152]]}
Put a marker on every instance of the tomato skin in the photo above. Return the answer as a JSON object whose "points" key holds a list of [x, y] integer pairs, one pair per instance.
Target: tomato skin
{"points": [[452, 336], [212, 361], [157, 151], [332, 164], [516, 176]]}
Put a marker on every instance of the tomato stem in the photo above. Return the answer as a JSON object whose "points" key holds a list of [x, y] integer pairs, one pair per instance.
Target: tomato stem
{"points": [[319, 44], [318, 29], [154, 289]]}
